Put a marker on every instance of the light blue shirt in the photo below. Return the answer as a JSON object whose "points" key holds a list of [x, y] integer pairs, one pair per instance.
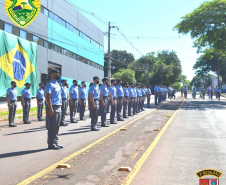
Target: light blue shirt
{"points": [[112, 90], [143, 92], [95, 91], [27, 93], [185, 89], [53, 88], [82, 92], [104, 89], [64, 92], [125, 91], [40, 94], [208, 88], [45, 88], [12, 93], [74, 91], [148, 91], [138, 91], [156, 89], [131, 92], [135, 92], [119, 90], [201, 88]]}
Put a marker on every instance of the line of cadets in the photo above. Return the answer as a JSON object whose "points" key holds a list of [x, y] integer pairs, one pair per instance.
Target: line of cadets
{"points": [[126, 100]]}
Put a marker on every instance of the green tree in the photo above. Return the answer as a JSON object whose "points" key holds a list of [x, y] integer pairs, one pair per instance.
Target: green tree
{"points": [[23, 3], [199, 81], [126, 75], [120, 60], [206, 25]]}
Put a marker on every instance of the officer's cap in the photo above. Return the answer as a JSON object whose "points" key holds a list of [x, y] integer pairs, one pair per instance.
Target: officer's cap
{"points": [[27, 84], [130, 83], [75, 81], [55, 71], [113, 80], [63, 80], [83, 82], [41, 84], [104, 79]]}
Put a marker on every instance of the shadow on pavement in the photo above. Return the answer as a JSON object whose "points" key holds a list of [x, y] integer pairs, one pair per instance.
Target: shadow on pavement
{"points": [[42, 128], [13, 154], [204, 105]]}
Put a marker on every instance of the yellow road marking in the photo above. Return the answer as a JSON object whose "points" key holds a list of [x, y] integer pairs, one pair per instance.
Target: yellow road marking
{"points": [[141, 161], [49, 169]]}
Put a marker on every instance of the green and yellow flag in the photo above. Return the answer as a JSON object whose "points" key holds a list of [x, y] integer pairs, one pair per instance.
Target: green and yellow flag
{"points": [[18, 62]]}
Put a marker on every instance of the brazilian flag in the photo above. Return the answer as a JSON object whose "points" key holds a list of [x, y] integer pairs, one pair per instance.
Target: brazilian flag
{"points": [[18, 62]]}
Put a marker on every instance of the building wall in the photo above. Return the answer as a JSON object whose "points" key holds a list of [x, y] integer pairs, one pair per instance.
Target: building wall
{"points": [[44, 27]]}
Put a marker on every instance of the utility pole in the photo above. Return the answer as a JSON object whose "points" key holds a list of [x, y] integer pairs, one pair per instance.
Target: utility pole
{"points": [[147, 74], [218, 73], [109, 51]]}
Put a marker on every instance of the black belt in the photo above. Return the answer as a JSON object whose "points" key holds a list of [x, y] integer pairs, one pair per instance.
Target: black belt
{"points": [[56, 105], [40, 99], [96, 99], [27, 99], [126, 96], [64, 98], [12, 101], [83, 99], [105, 96], [75, 99], [114, 98]]}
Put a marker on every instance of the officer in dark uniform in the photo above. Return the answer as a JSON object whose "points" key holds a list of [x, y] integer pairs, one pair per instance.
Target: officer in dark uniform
{"points": [[113, 97], [26, 103], [120, 100], [53, 99], [82, 100], [39, 98], [104, 102], [64, 96], [126, 96], [47, 109], [131, 98], [94, 100], [11, 97], [73, 101]]}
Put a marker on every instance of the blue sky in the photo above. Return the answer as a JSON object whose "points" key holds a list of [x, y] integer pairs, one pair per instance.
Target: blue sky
{"points": [[146, 18]]}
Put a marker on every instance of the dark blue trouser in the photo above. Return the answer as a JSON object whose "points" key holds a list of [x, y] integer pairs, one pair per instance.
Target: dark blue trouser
{"points": [[104, 110], [156, 99], [82, 108], [12, 112], [26, 110], [135, 106], [125, 107], [54, 125], [148, 101], [119, 109], [73, 109], [113, 110], [40, 109], [95, 113], [130, 107]]}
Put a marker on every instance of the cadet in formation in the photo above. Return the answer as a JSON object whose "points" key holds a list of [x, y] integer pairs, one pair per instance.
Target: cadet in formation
{"points": [[113, 97], [82, 100], [54, 102], [26, 103], [11, 97], [40, 99], [64, 96], [104, 102], [126, 101], [73, 101], [120, 100]]}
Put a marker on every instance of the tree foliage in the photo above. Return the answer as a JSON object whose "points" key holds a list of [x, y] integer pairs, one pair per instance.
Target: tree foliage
{"points": [[126, 75], [206, 24], [204, 80], [120, 60]]}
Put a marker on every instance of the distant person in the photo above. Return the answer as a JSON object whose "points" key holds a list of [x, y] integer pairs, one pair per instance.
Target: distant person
{"points": [[26, 102], [185, 92], [182, 91], [40, 98]]}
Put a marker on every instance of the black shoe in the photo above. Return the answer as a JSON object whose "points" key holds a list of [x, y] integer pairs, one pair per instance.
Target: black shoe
{"points": [[113, 123], [95, 129], [12, 125], [67, 114], [83, 119], [104, 125], [40, 120], [74, 121], [59, 146], [27, 122], [64, 124], [143, 110], [54, 147]]}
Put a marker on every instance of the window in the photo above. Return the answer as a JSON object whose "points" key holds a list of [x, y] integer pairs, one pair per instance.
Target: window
{"points": [[74, 56], [101, 47], [16, 31], [46, 12], [55, 48], [67, 26], [50, 15], [60, 50], [29, 37], [42, 9], [1, 25], [50, 45], [40, 42], [8, 28], [23, 34], [35, 39], [76, 31], [55, 18], [62, 22], [45, 44]]}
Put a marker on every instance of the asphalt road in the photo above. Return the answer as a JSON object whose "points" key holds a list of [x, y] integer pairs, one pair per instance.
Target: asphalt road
{"points": [[194, 140]]}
